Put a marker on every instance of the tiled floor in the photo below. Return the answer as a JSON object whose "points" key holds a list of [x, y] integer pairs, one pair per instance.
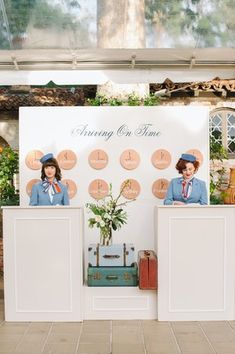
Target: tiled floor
{"points": [[116, 337]]}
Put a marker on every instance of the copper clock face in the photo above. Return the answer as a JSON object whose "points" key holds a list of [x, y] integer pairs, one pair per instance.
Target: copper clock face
{"points": [[129, 159], [71, 185], [32, 159], [159, 188], [161, 159], [197, 154], [98, 159], [132, 189], [67, 159], [30, 184], [98, 189]]}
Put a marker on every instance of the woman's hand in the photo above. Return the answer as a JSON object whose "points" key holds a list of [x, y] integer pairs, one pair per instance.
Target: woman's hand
{"points": [[177, 202]]}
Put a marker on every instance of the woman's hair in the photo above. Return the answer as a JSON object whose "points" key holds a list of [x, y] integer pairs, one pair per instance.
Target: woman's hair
{"points": [[181, 165], [51, 162]]}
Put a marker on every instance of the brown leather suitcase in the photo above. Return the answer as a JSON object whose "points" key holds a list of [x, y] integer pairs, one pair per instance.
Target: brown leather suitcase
{"points": [[147, 260]]}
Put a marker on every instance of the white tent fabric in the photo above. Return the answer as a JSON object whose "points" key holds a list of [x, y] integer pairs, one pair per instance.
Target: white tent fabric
{"points": [[97, 66], [98, 77]]}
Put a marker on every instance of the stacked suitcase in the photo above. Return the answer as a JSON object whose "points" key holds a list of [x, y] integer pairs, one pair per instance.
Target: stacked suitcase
{"points": [[112, 265]]}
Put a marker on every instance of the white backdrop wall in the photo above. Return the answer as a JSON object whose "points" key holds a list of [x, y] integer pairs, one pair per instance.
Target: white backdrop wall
{"points": [[176, 129]]}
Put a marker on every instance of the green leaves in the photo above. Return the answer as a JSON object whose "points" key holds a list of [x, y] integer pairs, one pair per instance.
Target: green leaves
{"points": [[217, 153], [107, 212], [8, 167], [131, 100]]}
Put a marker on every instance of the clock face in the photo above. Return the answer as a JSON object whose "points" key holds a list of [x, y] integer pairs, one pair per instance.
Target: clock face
{"points": [[67, 159], [161, 159], [197, 154], [132, 189], [71, 185], [159, 188], [129, 159], [98, 159], [32, 159], [30, 184], [98, 189]]}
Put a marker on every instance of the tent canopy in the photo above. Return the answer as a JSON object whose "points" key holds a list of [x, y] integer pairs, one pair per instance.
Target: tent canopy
{"points": [[39, 66], [122, 41]]}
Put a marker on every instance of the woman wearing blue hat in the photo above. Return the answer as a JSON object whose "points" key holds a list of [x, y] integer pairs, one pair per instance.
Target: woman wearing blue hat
{"points": [[186, 189], [50, 191]]}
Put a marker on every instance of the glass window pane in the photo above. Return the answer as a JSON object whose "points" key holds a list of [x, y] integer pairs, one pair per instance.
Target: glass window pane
{"points": [[231, 132], [215, 127], [231, 147], [117, 23], [231, 119]]}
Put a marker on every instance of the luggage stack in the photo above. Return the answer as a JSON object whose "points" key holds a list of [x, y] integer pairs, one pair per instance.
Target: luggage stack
{"points": [[112, 265]]}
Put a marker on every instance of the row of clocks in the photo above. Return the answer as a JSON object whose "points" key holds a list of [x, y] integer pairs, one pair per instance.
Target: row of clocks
{"points": [[98, 159], [99, 188]]}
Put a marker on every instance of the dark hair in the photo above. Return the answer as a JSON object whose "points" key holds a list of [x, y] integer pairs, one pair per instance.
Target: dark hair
{"points": [[181, 165], [51, 162]]}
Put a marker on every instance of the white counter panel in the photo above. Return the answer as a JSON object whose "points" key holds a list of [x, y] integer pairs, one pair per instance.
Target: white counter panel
{"points": [[43, 264], [119, 303], [196, 262]]}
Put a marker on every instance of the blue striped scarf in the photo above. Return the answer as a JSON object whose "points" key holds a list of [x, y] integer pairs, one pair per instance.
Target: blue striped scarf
{"points": [[55, 186]]}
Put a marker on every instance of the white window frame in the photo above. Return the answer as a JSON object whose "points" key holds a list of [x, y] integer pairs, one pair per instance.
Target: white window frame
{"points": [[223, 112]]}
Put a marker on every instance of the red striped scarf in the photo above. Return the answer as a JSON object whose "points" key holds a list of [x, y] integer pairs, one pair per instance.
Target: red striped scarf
{"points": [[186, 188]]}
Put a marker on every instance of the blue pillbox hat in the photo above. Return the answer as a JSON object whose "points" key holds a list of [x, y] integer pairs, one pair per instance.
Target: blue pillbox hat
{"points": [[46, 157], [188, 157]]}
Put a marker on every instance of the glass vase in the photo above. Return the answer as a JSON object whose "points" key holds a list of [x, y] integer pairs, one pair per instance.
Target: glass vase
{"points": [[106, 236]]}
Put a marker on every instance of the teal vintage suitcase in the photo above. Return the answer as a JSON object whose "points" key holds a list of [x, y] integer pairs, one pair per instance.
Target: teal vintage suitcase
{"points": [[112, 276]]}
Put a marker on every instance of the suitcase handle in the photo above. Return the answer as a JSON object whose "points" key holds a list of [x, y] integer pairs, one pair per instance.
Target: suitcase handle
{"points": [[111, 256], [112, 277], [147, 253]]}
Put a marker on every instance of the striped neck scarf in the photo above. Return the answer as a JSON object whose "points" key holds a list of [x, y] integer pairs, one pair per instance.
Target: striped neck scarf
{"points": [[53, 186], [187, 188]]}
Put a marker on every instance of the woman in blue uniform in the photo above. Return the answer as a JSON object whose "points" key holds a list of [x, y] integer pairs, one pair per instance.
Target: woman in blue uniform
{"points": [[50, 191], [186, 189]]}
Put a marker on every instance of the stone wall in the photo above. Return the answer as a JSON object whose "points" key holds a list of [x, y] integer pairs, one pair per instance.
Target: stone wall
{"points": [[9, 128]]}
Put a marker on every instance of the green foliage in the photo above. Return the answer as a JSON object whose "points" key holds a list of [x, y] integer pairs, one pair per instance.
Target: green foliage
{"points": [[210, 23], [132, 100], [217, 153], [43, 14], [99, 100], [9, 165], [47, 16], [108, 212], [113, 101], [151, 100], [18, 13]]}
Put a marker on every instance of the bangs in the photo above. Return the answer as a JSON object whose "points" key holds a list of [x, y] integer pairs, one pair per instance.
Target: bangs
{"points": [[50, 163]]}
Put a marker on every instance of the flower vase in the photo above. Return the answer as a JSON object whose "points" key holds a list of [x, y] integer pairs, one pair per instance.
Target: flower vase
{"points": [[106, 236]]}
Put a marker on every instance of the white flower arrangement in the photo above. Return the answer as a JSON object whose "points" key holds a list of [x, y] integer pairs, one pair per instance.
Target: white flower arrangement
{"points": [[108, 213]]}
